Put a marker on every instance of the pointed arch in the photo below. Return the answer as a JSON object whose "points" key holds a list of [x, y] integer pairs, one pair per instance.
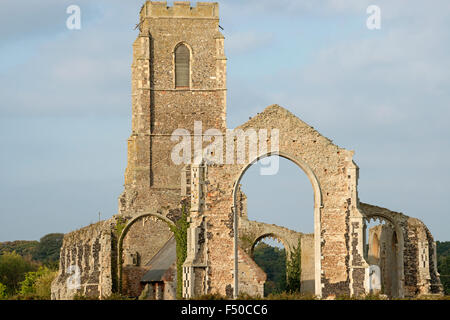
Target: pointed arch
{"points": [[182, 60], [317, 212], [124, 232]]}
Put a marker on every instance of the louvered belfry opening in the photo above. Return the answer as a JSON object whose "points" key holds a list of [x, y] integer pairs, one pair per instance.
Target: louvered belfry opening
{"points": [[182, 57]]}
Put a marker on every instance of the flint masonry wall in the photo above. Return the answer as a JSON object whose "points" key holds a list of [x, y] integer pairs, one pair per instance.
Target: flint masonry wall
{"points": [[386, 256], [87, 254], [251, 276], [418, 273]]}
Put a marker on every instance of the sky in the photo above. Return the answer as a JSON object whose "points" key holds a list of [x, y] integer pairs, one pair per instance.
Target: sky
{"points": [[65, 104]]}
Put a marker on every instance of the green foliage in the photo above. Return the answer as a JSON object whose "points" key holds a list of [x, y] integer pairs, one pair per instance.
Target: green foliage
{"points": [[3, 294], [246, 296], [37, 284], [273, 261], [444, 271], [214, 296], [120, 225], [180, 233], [443, 248], [80, 296], [272, 296], [247, 241], [43, 285], [116, 296], [291, 296], [19, 263], [47, 251], [282, 277], [294, 269], [13, 268], [113, 296], [443, 264], [21, 247]]}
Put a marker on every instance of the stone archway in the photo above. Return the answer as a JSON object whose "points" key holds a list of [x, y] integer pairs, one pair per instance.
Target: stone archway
{"points": [[394, 251], [317, 207], [285, 244], [142, 250]]}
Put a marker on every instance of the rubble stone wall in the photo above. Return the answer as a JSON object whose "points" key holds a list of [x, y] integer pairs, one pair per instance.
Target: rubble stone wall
{"points": [[85, 266]]}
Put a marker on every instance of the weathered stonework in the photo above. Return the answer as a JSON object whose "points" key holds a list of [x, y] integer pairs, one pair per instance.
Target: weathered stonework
{"points": [[113, 255], [86, 266]]}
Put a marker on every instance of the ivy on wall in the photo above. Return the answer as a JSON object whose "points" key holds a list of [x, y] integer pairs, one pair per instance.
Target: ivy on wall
{"points": [[116, 256], [120, 225], [180, 232]]}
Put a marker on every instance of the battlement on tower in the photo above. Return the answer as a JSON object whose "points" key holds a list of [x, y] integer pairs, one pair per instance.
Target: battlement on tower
{"points": [[180, 9]]}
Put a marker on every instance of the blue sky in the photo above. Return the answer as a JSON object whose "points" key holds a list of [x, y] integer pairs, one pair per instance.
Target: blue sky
{"points": [[65, 104]]}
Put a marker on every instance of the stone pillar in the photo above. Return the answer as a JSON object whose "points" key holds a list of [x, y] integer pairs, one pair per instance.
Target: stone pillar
{"points": [[194, 275], [357, 263]]}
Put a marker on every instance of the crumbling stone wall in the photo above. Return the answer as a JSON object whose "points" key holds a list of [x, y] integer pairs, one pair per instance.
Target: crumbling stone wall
{"points": [[417, 275], [251, 276], [251, 232], [385, 254], [86, 261]]}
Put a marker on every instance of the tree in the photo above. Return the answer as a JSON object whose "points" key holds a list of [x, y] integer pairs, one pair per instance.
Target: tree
{"points": [[444, 271], [443, 255], [294, 270], [37, 284], [273, 262], [12, 270], [3, 294], [22, 247], [49, 247]]}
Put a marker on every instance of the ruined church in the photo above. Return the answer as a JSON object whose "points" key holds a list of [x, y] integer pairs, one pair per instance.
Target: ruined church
{"points": [[178, 78]]}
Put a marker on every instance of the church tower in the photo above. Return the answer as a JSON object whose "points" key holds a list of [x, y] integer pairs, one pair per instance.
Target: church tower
{"points": [[178, 77]]}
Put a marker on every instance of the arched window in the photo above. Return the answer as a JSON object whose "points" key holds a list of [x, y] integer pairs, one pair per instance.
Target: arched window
{"points": [[182, 66]]}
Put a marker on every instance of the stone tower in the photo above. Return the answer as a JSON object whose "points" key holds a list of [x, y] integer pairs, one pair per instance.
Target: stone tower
{"points": [[178, 77]]}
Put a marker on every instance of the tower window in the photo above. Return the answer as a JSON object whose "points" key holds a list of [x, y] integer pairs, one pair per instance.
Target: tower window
{"points": [[182, 57]]}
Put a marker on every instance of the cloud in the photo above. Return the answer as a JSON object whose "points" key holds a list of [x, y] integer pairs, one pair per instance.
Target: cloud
{"points": [[79, 73]]}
